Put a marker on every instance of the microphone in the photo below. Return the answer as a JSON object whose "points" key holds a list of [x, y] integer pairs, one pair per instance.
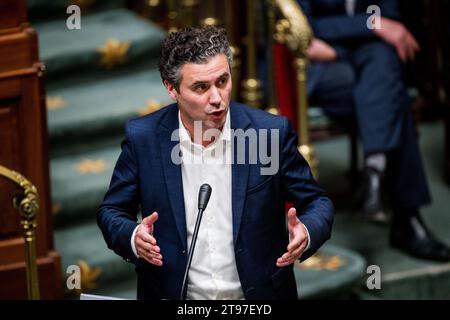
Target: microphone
{"points": [[203, 197]]}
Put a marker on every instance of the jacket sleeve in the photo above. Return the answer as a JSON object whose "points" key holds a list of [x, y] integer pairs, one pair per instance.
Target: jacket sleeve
{"points": [[314, 208], [343, 27], [117, 215]]}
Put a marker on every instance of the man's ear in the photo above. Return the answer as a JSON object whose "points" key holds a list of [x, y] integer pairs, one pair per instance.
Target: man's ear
{"points": [[171, 90]]}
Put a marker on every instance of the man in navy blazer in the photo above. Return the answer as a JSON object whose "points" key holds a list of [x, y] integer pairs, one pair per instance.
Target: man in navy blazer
{"points": [[247, 244], [358, 57]]}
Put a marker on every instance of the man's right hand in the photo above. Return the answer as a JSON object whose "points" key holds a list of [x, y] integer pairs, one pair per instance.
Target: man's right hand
{"points": [[145, 243], [320, 51], [396, 34]]}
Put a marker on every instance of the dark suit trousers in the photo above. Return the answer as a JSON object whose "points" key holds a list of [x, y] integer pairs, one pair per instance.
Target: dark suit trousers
{"points": [[364, 90]]}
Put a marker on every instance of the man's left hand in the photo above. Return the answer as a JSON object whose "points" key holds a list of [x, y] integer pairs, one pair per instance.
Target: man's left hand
{"points": [[298, 240]]}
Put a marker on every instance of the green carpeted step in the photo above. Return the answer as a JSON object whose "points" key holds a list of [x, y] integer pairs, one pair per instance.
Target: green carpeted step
{"points": [[66, 52], [79, 183], [95, 106], [39, 10], [85, 242], [402, 276], [334, 272]]}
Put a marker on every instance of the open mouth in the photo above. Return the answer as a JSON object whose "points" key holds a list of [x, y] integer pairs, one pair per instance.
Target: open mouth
{"points": [[217, 114]]}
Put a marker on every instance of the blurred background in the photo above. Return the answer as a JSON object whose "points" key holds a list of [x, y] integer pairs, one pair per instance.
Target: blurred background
{"points": [[73, 72]]}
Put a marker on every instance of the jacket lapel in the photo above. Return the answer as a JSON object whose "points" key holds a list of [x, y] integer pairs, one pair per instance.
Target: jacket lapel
{"points": [[172, 170], [239, 179]]}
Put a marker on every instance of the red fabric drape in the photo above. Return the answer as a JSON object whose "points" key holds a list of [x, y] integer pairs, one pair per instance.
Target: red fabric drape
{"points": [[285, 86], [285, 79]]}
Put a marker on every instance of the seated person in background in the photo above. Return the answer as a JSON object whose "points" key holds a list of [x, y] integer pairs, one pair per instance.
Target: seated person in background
{"points": [[357, 74]]}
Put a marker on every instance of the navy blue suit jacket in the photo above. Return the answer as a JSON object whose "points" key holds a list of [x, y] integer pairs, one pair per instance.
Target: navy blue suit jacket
{"points": [[145, 176], [331, 23]]}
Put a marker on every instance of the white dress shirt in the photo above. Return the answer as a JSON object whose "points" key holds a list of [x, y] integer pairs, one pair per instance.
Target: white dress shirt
{"points": [[213, 273]]}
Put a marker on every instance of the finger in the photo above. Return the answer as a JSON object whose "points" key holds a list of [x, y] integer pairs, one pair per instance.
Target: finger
{"points": [[146, 237], [413, 42], [289, 258], [401, 52], [294, 252], [145, 246], [292, 217], [150, 220], [282, 263], [150, 255], [154, 261], [149, 252], [295, 243], [414, 47]]}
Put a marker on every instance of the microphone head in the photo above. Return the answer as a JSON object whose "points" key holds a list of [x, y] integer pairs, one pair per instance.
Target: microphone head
{"points": [[203, 196]]}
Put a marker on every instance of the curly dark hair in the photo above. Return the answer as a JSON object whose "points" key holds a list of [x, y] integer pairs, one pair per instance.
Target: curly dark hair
{"points": [[191, 45]]}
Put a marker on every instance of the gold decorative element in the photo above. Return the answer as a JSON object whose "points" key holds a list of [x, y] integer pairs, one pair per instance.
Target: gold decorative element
{"points": [[251, 91], [154, 3], [189, 9], [91, 166], [235, 69], [295, 31], [306, 148], [273, 110], [113, 53], [210, 19], [308, 152], [230, 12], [55, 103], [281, 28], [89, 275], [150, 106], [172, 15], [26, 201], [272, 105], [318, 262]]}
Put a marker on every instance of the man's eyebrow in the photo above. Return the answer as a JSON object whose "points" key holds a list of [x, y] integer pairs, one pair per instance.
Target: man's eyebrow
{"points": [[225, 74], [196, 83]]}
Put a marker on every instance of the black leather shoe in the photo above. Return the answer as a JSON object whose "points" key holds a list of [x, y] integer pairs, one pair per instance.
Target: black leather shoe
{"points": [[370, 197], [412, 236]]}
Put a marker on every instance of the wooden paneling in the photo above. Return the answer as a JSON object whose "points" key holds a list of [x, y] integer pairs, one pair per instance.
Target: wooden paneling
{"points": [[9, 134], [12, 14], [13, 279], [16, 52], [23, 148]]}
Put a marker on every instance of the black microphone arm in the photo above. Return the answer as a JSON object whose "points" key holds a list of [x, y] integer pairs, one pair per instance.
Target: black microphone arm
{"points": [[203, 197]]}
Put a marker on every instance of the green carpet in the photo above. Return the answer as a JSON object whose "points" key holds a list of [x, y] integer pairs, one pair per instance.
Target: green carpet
{"points": [[403, 277], [65, 50]]}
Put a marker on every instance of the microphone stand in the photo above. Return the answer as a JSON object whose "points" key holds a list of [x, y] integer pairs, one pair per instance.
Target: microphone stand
{"points": [[191, 253], [203, 198]]}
